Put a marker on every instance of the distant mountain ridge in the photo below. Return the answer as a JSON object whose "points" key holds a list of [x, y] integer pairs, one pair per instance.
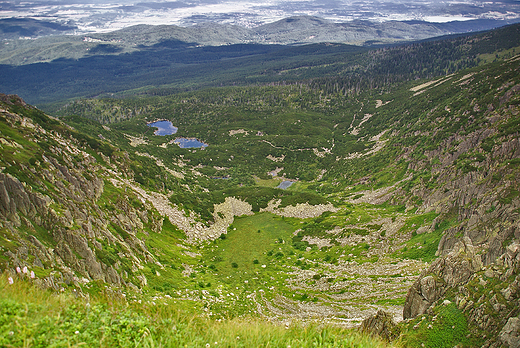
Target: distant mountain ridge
{"points": [[51, 41], [14, 28], [176, 65]]}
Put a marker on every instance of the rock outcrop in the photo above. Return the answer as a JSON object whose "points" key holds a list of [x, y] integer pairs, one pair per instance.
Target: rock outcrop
{"points": [[444, 273], [509, 336], [488, 296]]}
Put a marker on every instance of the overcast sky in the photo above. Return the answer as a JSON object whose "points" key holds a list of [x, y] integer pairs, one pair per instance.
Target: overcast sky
{"points": [[105, 15]]}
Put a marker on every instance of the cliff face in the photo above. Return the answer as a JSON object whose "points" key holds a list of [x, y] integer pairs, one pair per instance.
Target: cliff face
{"points": [[484, 197], [471, 175]]}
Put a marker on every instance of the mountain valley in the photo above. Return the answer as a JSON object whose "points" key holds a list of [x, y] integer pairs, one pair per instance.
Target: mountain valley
{"points": [[404, 202]]}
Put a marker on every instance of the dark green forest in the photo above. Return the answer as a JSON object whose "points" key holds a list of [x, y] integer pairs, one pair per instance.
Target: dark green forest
{"points": [[173, 66]]}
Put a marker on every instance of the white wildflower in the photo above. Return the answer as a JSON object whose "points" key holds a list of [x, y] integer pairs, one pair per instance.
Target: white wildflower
{"points": [[10, 280], [24, 270], [18, 270], [32, 275]]}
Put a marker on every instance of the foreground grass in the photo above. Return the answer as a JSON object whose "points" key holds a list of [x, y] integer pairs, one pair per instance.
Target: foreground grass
{"points": [[30, 317]]}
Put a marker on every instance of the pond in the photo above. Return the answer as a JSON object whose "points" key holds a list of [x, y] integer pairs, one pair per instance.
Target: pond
{"points": [[189, 143], [285, 184], [163, 127]]}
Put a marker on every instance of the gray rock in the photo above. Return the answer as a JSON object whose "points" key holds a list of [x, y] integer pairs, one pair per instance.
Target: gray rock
{"points": [[509, 336], [380, 324], [449, 271]]}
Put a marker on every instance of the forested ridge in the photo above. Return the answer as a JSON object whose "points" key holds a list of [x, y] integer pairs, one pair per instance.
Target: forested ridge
{"points": [[169, 67]]}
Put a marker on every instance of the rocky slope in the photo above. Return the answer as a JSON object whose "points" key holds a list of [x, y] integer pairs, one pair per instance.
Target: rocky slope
{"points": [[472, 178], [65, 208], [489, 296], [51, 219]]}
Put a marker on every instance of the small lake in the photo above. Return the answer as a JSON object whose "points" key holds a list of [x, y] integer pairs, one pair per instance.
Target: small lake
{"points": [[186, 143], [285, 184], [163, 128]]}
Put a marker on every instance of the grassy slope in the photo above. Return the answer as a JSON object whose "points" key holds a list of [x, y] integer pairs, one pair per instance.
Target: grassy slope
{"points": [[34, 318]]}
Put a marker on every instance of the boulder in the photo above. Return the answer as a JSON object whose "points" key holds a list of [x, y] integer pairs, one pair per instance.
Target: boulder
{"points": [[380, 324]]}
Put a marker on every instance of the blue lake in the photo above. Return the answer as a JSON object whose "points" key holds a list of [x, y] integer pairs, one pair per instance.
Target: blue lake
{"points": [[189, 143], [163, 127], [285, 184]]}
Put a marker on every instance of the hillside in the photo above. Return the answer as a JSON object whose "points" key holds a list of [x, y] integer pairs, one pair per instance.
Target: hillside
{"points": [[404, 198], [171, 65], [29, 41]]}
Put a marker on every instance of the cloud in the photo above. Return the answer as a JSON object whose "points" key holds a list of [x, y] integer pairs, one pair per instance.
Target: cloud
{"points": [[106, 15]]}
